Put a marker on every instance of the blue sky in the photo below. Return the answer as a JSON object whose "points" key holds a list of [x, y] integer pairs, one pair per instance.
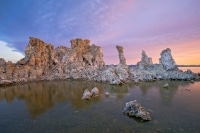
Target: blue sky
{"points": [[150, 25]]}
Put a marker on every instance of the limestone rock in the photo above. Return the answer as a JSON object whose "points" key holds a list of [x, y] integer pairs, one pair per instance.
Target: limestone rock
{"points": [[60, 52], [82, 54], [167, 60], [95, 91], [134, 109], [122, 72], [115, 75], [120, 50], [145, 61], [166, 85], [6, 82], [9, 69], [87, 95], [2, 69], [107, 94], [85, 61]]}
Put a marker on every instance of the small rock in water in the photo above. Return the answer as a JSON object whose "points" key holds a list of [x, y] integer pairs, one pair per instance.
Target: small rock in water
{"points": [[95, 91], [107, 94], [166, 85], [158, 130], [133, 108], [87, 94]]}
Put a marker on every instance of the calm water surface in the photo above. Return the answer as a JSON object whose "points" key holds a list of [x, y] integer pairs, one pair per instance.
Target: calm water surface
{"points": [[56, 107]]}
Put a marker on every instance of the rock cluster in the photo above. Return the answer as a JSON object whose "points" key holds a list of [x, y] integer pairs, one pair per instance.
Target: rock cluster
{"points": [[166, 69], [145, 61], [84, 61], [87, 95], [43, 62], [115, 74], [134, 109]]}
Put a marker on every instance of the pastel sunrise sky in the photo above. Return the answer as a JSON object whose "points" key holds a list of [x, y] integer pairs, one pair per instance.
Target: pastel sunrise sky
{"points": [[150, 25]]}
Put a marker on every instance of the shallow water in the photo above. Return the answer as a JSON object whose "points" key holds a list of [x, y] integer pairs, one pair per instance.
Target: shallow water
{"points": [[56, 107]]}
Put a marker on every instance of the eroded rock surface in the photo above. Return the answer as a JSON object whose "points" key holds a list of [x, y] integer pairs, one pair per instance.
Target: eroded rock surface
{"points": [[167, 60], [134, 109], [87, 95], [122, 59], [43, 62], [166, 69], [115, 74], [145, 61], [95, 91], [84, 61]]}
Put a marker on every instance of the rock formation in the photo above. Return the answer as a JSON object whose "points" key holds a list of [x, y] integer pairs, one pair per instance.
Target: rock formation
{"points": [[134, 109], [145, 61], [114, 74], [2, 69], [107, 94], [43, 62], [95, 91], [167, 60], [122, 68], [84, 61], [166, 85], [87, 95], [167, 69], [82, 54], [122, 59]]}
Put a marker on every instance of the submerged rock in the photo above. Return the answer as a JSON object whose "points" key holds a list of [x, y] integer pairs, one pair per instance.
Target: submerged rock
{"points": [[87, 95], [95, 91], [166, 85], [134, 109], [107, 94]]}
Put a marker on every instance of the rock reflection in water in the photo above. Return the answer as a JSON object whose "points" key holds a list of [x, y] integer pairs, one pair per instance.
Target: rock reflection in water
{"points": [[168, 107], [166, 94], [40, 96]]}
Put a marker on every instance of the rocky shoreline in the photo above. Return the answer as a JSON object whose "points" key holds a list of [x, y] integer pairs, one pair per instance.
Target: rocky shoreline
{"points": [[84, 61]]}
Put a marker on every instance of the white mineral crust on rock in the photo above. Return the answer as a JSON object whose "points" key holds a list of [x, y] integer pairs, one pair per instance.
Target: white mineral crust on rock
{"points": [[167, 60], [87, 95], [95, 91], [134, 109], [84, 61]]}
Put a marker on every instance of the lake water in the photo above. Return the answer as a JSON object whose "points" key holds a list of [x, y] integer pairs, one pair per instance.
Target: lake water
{"points": [[57, 107], [193, 69]]}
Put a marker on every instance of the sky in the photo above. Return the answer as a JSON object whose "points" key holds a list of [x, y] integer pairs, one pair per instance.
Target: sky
{"points": [[149, 25]]}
